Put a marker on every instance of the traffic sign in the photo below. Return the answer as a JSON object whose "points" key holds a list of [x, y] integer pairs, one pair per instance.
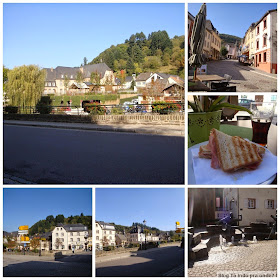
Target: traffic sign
{"points": [[23, 232], [23, 227]]}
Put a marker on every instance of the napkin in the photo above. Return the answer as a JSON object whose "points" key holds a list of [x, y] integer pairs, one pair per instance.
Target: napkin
{"points": [[205, 175]]}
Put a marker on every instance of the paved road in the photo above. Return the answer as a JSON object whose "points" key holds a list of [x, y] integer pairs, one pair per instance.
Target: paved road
{"points": [[61, 156], [252, 258], [160, 262], [75, 265], [245, 78]]}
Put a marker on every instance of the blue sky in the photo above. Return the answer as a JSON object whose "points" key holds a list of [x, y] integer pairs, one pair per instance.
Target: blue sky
{"points": [[233, 19], [51, 35], [26, 206], [160, 207]]}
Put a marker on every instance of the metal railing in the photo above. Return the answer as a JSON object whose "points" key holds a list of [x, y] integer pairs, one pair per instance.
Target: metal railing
{"points": [[98, 109]]}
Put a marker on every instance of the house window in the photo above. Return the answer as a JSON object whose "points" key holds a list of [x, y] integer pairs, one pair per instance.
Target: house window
{"points": [[97, 237], [56, 234], [257, 44], [258, 30], [62, 234], [264, 57], [71, 239], [53, 84], [71, 234], [264, 41], [78, 239], [273, 97], [71, 77], [110, 232], [46, 84], [270, 204], [62, 76], [105, 232], [264, 24], [97, 231], [56, 247], [78, 234], [49, 84], [260, 57], [62, 247], [62, 239], [251, 203], [110, 237]]}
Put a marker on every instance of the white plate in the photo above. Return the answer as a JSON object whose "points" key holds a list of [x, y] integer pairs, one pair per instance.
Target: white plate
{"points": [[191, 176]]}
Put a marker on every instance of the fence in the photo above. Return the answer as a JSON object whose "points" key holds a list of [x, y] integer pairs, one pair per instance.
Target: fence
{"points": [[98, 109]]}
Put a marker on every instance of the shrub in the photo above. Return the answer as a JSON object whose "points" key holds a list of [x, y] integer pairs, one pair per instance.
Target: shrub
{"points": [[44, 105], [163, 107], [11, 109], [116, 111], [108, 248], [35, 251], [95, 108]]}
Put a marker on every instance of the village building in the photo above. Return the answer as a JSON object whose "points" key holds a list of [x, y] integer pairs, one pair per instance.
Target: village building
{"points": [[69, 237], [232, 50], [266, 42], [108, 233], [99, 75]]}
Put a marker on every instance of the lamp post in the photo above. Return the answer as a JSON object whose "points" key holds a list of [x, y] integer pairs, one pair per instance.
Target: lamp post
{"points": [[144, 222]]}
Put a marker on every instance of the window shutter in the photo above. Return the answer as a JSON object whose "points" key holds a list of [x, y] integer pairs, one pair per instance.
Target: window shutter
{"points": [[266, 204], [257, 204], [246, 203]]}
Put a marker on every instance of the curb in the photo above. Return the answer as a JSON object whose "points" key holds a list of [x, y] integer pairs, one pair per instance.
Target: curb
{"points": [[127, 255], [104, 129]]}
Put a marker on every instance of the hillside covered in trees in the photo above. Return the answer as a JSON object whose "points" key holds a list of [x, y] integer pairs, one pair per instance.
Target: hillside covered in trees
{"points": [[50, 222], [139, 53], [121, 229], [226, 38]]}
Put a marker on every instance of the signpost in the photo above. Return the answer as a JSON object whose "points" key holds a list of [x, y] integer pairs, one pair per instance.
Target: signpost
{"points": [[23, 231]]}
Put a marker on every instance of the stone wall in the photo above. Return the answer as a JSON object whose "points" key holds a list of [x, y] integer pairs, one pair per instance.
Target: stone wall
{"points": [[172, 119]]}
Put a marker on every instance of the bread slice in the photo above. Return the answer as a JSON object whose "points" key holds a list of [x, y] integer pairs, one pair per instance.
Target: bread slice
{"points": [[204, 152], [234, 152]]}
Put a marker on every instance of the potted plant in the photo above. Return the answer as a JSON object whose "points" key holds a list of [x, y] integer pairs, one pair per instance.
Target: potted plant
{"points": [[207, 115]]}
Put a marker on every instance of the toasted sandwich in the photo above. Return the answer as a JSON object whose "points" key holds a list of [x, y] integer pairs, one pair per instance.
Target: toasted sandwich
{"points": [[231, 152]]}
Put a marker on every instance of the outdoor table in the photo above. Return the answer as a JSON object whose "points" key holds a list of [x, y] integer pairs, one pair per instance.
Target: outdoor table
{"points": [[210, 78], [244, 130], [197, 86]]}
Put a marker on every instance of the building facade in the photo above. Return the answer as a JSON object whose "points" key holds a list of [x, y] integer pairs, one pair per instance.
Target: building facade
{"points": [[70, 236], [266, 42], [215, 41], [56, 82], [106, 235], [253, 204]]}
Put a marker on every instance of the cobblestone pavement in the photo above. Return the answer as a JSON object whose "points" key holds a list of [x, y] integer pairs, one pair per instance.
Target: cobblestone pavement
{"points": [[252, 257], [245, 78]]}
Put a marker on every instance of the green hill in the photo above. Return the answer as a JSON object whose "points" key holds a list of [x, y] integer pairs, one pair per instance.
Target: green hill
{"points": [[226, 38], [50, 222], [146, 54]]}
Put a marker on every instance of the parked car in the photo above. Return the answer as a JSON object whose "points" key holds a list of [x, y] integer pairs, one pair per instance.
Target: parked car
{"points": [[245, 102]]}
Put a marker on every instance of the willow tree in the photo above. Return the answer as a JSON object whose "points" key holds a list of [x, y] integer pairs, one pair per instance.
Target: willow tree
{"points": [[25, 85]]}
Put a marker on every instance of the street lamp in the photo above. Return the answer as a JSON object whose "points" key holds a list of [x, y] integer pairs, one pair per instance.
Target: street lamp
{"points": [[144, 222]]}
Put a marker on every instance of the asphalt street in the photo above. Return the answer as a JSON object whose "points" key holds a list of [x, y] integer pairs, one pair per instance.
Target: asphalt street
{"points": [[35, 266], [62, 156], [150, 263]]}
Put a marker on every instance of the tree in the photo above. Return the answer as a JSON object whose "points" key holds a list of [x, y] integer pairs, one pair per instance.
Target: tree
{"points": [[35, 242], [50, 219], [224, 51], [25, 85], [85, 61], [5, 76], [79, 78], [58, 243], [66, 82], [59, 219], [130, 69]]}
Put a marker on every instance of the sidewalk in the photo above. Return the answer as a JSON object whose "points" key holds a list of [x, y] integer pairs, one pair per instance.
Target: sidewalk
{"points": [[167, 130]]}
